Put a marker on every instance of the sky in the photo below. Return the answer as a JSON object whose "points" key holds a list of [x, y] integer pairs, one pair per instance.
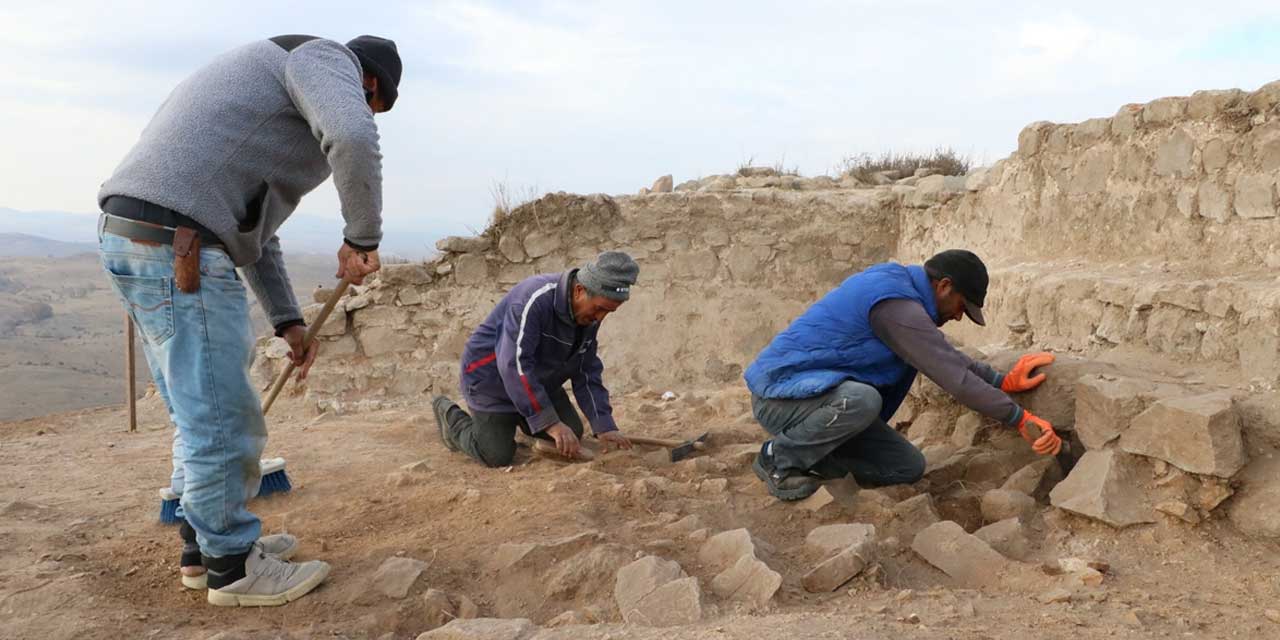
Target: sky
{"points": [[588, 96]]}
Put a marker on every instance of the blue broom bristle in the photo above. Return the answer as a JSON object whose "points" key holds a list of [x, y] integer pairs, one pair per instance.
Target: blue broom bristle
{"points": [[169, 511], [274, 482]]}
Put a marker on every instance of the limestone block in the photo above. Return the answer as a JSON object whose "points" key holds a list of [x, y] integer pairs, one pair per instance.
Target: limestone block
{"points": [[1036, 479], [698, 263], [1001, 504], [381, 341], [929, 426], [662, 185], [1256, 196], [1215, 201], [404, 274], [1031, 137], [1091, 131], [839, 569], [1187, 203], [1164, 111], [471, 269], [656, 592], [380, 316], [749, 580], [1256, 508], [913, 515], [1104, 486], [724, 548], [1267, 152], [1215, 155], [688, 185], [1007, 537], [1174, 155], [396, 576], [935, 190], [966, 430], [716, 237], [464, 244], [334, 325], [960, 555], [1090, 174], [1198, 434], [720, 183], [745, 262], [1054, 400], [541, 243], [1106, 405], [483, 629], [1203, 105], [1126, 121], [510, 248], [831, 538], [1266, 97], [978, 179]]}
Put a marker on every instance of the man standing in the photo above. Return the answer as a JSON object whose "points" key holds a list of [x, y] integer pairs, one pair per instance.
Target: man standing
{"points": [[219, 168], [826, 386], [541, 335]]}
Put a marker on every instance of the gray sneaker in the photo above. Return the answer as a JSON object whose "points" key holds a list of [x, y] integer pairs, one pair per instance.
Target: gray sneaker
{"points": [[269, 581], [280, 545]]}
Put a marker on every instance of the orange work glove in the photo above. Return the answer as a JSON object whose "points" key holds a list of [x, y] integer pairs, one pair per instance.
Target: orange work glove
{"points": [[1020, 379], [1040, 434]]}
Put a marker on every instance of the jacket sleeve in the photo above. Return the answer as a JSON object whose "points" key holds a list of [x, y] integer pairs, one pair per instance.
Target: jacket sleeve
{"points": [[589, 389], [908, 330], [324, 81], [517, 358], [270, 283]]}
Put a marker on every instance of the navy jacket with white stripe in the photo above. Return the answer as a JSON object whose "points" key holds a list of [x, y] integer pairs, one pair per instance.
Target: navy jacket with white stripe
{"points": [[530, 343]]}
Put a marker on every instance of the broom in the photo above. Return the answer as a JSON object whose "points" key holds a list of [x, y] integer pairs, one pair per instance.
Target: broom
{"points": [[274, 478]]}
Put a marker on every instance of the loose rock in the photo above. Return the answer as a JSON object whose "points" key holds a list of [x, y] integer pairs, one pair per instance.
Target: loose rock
{"points": [[964, 557], [1104, 486], [483, 629], [1198, 434], [396, 576]]}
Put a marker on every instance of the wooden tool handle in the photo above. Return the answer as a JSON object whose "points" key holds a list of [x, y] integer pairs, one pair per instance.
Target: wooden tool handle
{"points": [[661, 442], [312, 330]]}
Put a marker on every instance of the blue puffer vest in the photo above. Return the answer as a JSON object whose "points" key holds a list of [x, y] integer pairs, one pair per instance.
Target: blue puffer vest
{"points": [[833, 341]]}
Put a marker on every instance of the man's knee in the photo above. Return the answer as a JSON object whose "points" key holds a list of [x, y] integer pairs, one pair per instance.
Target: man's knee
{"points": [[495, 454], [851, 397]]}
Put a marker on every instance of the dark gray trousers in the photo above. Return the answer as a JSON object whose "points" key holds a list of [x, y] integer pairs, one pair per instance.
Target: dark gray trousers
{"points": [[490, 437], [838, 433]]}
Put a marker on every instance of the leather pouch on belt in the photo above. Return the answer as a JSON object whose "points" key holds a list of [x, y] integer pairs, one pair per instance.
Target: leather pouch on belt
{"points": [[186, 259]]}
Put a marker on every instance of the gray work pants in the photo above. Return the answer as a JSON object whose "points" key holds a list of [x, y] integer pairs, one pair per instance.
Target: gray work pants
{"points": [[838, 433]]}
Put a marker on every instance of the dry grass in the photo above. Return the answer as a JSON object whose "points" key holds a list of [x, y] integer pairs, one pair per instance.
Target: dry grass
{"points": [[946, 161]]}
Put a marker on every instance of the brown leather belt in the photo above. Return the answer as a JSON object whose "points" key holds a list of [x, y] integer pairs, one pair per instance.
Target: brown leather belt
{"points": [[145, 231]]}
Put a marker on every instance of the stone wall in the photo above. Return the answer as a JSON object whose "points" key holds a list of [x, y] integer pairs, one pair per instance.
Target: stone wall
{"points": [[1154, 229], [721, 272]]}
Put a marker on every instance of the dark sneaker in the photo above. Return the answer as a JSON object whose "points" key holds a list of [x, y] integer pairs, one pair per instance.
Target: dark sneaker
{"points": [[783, 484], [442, 406]]}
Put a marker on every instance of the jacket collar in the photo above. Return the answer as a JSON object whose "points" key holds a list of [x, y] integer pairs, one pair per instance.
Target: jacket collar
{"points": [[564, 294], [920, 280]]}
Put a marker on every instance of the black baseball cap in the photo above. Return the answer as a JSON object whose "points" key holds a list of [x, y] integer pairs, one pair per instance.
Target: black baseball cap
{"points": [[968, 275], [380, 57]]}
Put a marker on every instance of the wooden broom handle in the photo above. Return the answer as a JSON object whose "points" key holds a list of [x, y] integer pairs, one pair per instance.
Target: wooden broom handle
{"points": [[306, 342]]}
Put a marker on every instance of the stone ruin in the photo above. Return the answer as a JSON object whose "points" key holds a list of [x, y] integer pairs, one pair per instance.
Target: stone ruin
{"points": [[1139, 248]]}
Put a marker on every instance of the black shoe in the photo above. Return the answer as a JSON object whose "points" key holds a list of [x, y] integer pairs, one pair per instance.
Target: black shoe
{"points": [[442, 405], [783, 484]]}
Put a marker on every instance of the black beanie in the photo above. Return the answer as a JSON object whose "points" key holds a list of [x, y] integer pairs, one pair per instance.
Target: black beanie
{"points": [[379, 57]]}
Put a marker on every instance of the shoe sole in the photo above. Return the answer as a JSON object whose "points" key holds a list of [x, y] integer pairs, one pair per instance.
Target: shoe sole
{"points": [[201, 582], [223, 599], [784, 495]]}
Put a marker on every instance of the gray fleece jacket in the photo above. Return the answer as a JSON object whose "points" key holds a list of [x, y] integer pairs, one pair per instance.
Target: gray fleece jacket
{"points": [[238, 143]]}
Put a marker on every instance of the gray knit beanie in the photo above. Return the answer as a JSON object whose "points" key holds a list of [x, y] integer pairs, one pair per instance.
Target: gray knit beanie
{"points": [[611, 275]]}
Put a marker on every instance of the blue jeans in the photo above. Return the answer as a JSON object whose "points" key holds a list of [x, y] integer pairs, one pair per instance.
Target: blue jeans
{"points": [[839, 433], [199, 348]]}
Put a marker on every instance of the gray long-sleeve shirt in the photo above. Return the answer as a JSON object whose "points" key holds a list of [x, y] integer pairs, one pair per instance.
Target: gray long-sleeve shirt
{"points": [[238, 143], [907, 329]]}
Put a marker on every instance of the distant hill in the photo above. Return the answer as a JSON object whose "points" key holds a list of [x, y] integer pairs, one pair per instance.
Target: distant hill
{"points": [[301, 233], [21, 245]]}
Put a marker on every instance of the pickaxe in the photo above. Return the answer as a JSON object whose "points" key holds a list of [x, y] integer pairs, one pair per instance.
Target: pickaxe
{"points": [[679, 450]]}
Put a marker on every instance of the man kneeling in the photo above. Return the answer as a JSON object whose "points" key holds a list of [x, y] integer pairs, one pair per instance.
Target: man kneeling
{"points": [[825, 387], [541, 334]]}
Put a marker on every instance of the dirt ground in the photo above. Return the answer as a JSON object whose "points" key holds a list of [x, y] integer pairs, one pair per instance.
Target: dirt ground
{"points": [[83, 556]]}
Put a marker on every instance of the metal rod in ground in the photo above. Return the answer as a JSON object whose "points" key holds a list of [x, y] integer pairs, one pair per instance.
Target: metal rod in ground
{"points": [[130, 373], [306, 340]]}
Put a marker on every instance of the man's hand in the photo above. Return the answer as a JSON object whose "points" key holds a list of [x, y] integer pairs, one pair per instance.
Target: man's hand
{"points": [[356, 264], [566, 442], [1020, 379], [301, 359], [614, 439], [1040, 434]]}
